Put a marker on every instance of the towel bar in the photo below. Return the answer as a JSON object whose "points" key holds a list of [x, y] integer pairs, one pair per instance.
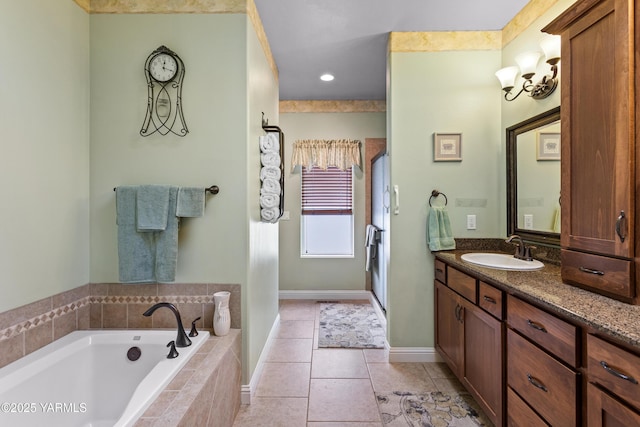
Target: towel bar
{"points": [[214, 189]]}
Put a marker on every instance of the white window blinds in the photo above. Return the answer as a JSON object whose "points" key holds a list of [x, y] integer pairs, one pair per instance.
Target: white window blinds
{"points": [[327, 191]]}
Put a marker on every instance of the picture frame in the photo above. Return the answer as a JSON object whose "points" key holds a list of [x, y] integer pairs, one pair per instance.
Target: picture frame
{"points": [[548, 146], [447, 147]]}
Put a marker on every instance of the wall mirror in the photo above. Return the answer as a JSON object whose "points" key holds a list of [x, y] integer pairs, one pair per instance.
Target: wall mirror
{"points": [[533, 178]]}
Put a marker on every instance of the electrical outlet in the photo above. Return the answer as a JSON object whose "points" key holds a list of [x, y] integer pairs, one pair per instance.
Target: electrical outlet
{"points": [[528, 221], [471, 222]]}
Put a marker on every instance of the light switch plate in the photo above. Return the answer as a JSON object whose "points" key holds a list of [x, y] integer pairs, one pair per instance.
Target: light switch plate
{"points": [[471, 222], [528, 221]]}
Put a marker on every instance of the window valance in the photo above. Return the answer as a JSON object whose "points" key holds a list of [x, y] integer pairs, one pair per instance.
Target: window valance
{"points": [[341, 153]]}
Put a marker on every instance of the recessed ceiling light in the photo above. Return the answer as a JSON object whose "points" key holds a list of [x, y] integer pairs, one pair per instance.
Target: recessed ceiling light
{"points": [[326, 77]]}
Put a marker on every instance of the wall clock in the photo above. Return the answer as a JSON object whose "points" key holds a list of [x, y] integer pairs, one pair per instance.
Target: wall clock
{"points": [[164, 71]]}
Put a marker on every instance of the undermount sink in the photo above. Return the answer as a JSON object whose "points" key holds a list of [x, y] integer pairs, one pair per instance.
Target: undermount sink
{"points": [[501, 261]]}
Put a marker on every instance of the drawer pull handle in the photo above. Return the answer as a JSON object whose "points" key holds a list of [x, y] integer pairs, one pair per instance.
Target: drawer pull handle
{"points": [[617, 373], [537, 383], [536, 326], [439, 270], [489, 299], [591, 271]]}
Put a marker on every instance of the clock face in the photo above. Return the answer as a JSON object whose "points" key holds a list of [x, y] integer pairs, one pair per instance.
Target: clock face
{"points": [[163, 67]]}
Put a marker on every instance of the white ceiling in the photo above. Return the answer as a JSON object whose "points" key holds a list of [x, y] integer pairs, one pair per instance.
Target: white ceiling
{"points": [[348, 38]]}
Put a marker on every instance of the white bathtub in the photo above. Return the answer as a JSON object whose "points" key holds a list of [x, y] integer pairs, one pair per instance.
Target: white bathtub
{"points": [[86, 379]]}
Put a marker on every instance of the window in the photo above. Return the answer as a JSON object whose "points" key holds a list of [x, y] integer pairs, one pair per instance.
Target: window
{"points": [[327, 213]]}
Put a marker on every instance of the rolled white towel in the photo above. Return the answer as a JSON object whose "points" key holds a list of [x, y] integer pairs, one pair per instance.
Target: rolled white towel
{"points": [[270, 186], [269, 200], [270, 215], [270, 159], [272, 172], [269, 143]]}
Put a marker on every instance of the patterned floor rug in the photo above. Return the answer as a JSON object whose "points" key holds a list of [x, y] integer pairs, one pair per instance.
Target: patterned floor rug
{"points": [[432, 409], [350, 326]]}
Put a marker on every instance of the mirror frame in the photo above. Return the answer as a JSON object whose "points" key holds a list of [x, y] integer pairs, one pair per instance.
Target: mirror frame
{"points": [[545, 238]]}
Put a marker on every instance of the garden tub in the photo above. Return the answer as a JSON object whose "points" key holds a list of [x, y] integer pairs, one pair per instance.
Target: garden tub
{"points": [[92, 378]]}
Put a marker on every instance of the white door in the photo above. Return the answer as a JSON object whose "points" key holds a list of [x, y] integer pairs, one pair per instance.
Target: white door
{"points": [[380, 198]]}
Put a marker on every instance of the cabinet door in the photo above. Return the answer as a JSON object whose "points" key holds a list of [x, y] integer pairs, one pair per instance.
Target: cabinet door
{"points": [[598, 130], [449, 332], [483, 338], [605, 411]]}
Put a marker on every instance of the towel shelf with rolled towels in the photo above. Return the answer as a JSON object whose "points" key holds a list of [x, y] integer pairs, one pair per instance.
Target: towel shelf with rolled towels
{"points": [[214, 189], [271, 197]]}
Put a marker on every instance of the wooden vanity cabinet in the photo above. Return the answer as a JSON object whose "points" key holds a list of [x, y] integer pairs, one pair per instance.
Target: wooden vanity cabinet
{"points": [[613, 391], [471, 339], [598, 145]]}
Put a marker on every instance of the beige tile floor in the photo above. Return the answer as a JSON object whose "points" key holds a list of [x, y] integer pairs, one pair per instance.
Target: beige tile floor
{"points": [[304, 386]]}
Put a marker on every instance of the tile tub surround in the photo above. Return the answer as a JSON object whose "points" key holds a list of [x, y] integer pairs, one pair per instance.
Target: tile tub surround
{"points": [[107, 306], [206, 392], [114, 305], [545, 287]]}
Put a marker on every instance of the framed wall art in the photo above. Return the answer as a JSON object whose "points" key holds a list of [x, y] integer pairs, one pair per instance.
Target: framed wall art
{"points": [[447, 147], [548, 147]]}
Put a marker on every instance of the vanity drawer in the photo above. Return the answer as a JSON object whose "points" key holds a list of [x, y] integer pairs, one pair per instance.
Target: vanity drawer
{"points": [[441, 271], [462, 283], [609, 275], [614, 369], [490, 299], [545, 384], [520, 414], [550, 332]]}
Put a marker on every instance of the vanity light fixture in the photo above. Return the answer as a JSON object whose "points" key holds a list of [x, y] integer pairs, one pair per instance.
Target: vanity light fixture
{"points": [[527, 65], [327, 77]]}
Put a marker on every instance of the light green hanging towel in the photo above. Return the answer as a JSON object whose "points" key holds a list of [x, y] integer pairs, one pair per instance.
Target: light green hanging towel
{"points": [[439, 235]]}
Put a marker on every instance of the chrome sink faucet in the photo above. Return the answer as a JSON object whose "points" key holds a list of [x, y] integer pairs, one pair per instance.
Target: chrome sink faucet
{"points": [[522, 251], [182, 340]]}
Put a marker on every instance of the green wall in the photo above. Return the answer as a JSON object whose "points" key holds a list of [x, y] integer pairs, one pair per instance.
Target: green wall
{"points": [[228, 84], [439, 92], [260, 305], [44, 166], [448, 92], [214, 97], [324, 274]]}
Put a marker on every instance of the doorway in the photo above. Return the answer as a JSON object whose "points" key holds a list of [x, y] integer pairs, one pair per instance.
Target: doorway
{"points": [[377, 214]]}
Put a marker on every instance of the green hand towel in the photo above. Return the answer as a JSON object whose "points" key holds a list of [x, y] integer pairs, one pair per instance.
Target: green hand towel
{"points": [[152, 207], [190, 202], [439, 235]]}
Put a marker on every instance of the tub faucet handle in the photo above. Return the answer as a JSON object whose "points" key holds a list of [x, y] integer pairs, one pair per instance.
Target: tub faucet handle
{"points": [[193, 332], [173, 353]]}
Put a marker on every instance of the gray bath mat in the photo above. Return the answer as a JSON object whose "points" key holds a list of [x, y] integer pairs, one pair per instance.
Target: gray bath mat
{"points": [[436, 408], [350, 326]]}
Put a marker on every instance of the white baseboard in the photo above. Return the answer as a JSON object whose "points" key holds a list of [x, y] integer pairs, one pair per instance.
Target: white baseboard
{"points": [[326, 295], [247, 390], [413, 355]]}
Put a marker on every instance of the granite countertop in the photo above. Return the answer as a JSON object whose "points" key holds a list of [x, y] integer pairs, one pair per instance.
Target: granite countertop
{"points": [[545, 287]]}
